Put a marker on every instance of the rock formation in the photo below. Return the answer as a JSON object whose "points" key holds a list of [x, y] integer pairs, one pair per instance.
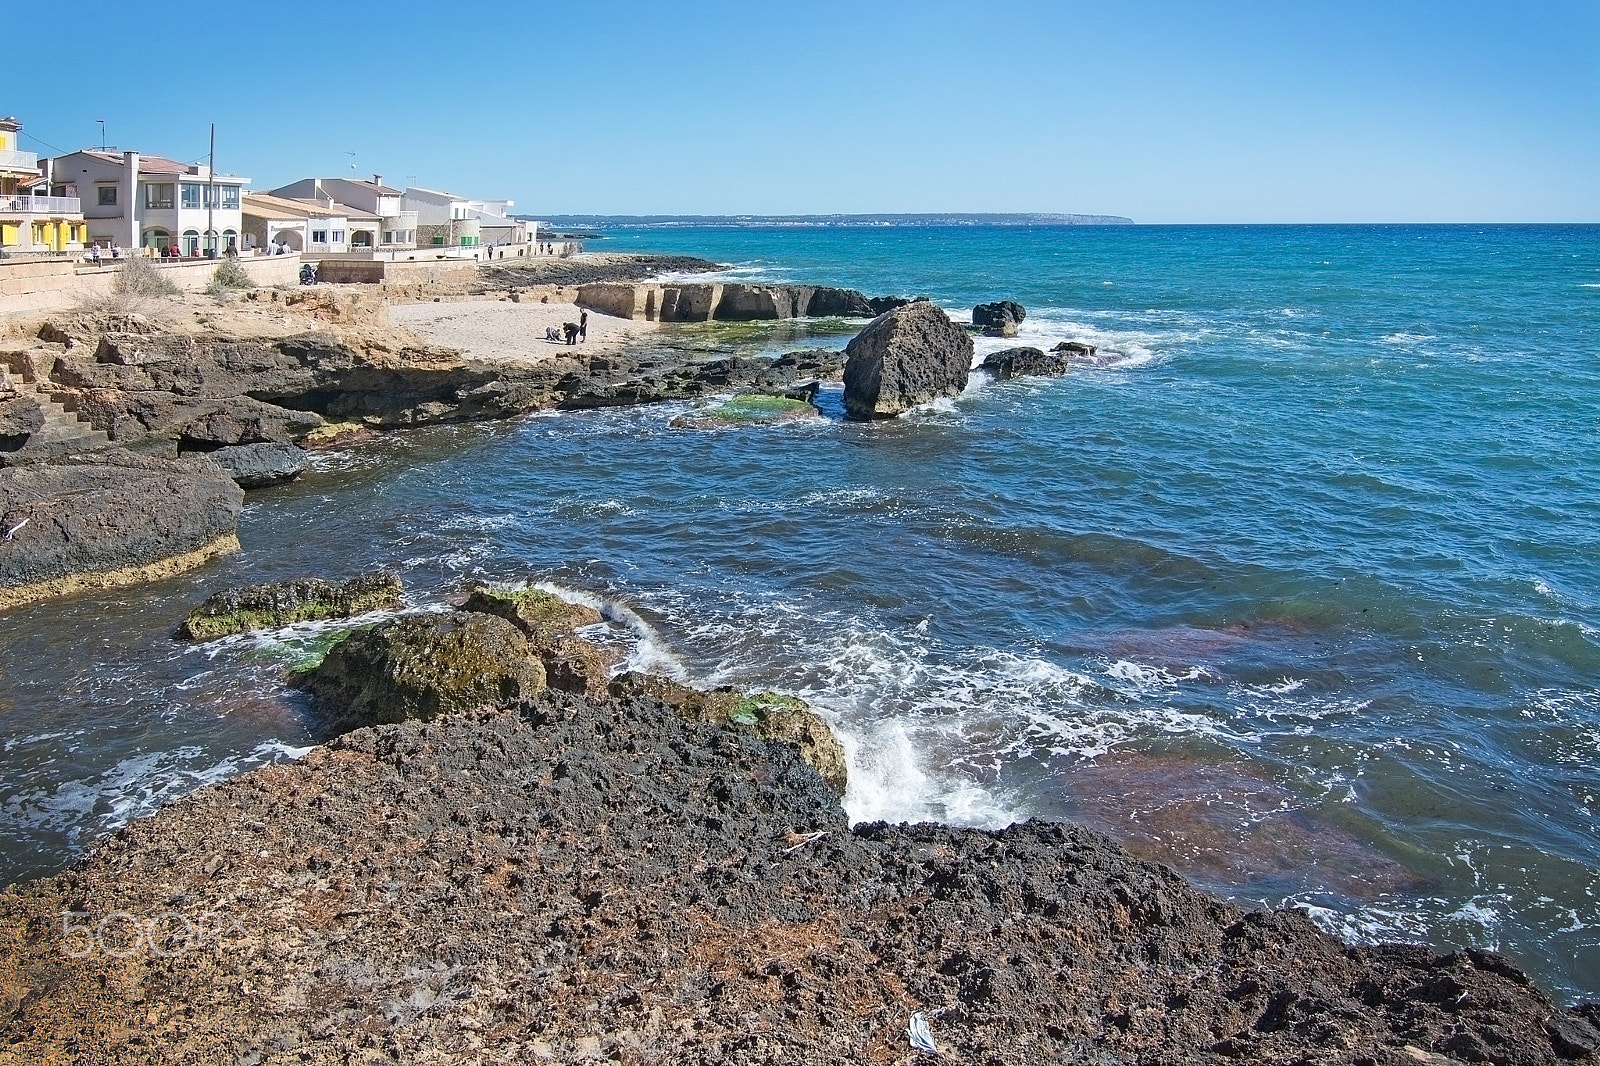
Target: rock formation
{"points": [[999, 319], [769, 715], [109, 519], [909, 356], [729, 301], [256, 466], [570, 664], [1024, 362], [286, 602], [422, 666], [20, 418], [569, 880]]}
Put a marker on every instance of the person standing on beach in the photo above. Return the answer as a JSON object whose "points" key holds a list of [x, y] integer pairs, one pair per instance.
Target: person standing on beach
{"points": [[583, 326]]}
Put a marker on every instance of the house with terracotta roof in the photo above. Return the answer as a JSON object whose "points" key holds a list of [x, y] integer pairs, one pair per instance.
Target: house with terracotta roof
{"points": [[148, 201], [31, 221], [320, 226]]}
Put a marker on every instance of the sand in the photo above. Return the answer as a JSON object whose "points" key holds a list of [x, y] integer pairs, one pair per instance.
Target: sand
{"points": [[504, 330]]}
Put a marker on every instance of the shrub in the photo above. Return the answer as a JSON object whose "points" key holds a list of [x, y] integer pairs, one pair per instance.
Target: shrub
{"points": [[140, 277], [231, 275]]}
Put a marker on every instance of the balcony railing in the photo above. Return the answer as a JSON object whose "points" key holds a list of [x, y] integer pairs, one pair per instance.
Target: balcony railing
{"points": [[42, 205], [19, 160]]}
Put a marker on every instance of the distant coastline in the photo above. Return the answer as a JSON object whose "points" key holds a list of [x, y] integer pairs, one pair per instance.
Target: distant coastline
{"points": [[602, 222]]}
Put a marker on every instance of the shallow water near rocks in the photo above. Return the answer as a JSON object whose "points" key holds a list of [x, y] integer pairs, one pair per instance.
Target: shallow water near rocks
{"points": [[1298, 593]]}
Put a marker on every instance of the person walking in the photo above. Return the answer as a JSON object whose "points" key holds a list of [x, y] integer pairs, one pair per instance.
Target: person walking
{"points": [[583, 326]]}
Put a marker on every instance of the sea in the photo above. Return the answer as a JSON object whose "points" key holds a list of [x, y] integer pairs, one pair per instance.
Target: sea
{"points": [[1297, 592]]}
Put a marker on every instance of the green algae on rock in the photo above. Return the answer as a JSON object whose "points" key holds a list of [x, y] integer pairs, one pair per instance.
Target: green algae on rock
{"points": [[769, 715], [283, 603], [542, 615], [422, 666], [571, 664], [749, 409]]}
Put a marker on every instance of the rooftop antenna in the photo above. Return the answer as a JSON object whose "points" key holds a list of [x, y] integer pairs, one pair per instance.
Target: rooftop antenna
{"points": [[102, 133], [352, 156]]}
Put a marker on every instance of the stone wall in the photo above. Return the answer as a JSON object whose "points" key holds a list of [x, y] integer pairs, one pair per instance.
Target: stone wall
{"points": [[376, 272], [30, 285]]}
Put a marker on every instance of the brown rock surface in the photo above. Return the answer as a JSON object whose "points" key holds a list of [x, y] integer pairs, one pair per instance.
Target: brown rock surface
{"points": [[577, 880]]}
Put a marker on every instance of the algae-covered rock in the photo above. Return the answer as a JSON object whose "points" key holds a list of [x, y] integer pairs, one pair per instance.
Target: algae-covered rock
{"points": [[750, 409], [571, 664], [543, 616], [286, 602], [423, 666], [768, 715]]}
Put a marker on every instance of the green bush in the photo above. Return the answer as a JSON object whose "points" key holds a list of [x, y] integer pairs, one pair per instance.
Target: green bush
{"points": [[231, 275]]}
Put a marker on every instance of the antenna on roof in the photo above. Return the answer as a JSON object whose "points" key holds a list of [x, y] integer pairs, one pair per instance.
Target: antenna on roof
{"points": [[102, 133], [352, 156]]}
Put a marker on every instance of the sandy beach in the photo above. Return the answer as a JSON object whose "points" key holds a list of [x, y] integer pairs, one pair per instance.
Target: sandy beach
{"points": [[504, 330]]}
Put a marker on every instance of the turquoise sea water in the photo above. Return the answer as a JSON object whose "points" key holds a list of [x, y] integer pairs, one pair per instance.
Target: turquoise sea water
{"points": [[1299, 594]]}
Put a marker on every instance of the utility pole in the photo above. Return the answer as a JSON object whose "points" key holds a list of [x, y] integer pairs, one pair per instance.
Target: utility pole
{"points": [[211, 200]]}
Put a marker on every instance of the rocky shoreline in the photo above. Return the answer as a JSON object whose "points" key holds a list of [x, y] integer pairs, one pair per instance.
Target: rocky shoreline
{"points": [[569, 879], [240, 393], [513, 856]]}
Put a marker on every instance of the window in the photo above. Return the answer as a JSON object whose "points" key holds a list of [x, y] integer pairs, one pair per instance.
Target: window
{"points": [[191, 194], [230, 195], [338, 236], [108, 196], [158, 194], [319, 236], [388, 236]]}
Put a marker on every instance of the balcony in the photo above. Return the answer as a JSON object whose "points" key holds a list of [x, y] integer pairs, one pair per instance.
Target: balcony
{"points": [[40, 205], [28, 161]]}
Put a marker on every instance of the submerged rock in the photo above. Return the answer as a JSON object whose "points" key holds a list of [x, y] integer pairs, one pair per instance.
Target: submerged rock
{"points": [[255, 466], [999, 319], [909, 356], [768, 715], [423, 666], [1021, 362], [750, 409], [283, 603]]}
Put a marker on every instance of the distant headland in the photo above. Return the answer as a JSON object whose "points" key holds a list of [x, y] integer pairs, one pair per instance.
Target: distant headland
{"points": [[601, 222]]}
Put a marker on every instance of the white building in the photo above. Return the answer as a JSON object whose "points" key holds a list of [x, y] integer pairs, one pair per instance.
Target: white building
{"points": [[151, 202], [304, 225], [387, 223], [455, 221]]}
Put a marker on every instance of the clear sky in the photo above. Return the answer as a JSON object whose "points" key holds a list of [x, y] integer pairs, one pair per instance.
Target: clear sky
{"points": [[1204, 111]]}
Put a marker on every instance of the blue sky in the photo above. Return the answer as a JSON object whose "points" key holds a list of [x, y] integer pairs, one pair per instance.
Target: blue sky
{"points": [[1221, 111]]}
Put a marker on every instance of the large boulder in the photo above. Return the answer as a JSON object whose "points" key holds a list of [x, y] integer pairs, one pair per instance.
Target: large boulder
{"points": [[769, 715], [256, 466], [999, 319], [423, 666], [283, 603], [109, 519], [1021, 362], [909, 356]]}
